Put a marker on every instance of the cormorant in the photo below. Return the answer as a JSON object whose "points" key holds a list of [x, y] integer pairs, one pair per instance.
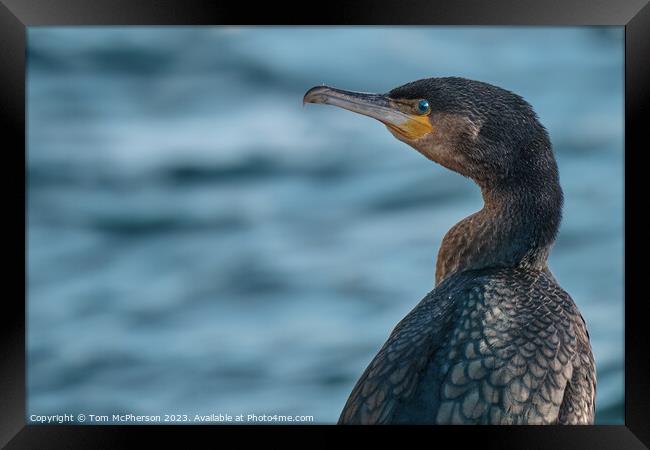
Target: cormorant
{"points": [[497, 341]]}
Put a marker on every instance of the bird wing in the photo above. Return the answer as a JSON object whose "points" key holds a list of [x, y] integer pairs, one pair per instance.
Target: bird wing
{"points": [[393, 375], [579, 400], [519, 354], [506, 347]]}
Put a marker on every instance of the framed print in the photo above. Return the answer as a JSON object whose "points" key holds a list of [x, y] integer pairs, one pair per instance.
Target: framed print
{"points": [[382, 215]]}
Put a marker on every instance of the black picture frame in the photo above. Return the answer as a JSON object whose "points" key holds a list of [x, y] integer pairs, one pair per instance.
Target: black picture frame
{"points": [[17, 15]]}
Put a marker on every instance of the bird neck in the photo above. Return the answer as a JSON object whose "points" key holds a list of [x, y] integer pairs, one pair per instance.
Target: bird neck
{"points": [[516, 228]]}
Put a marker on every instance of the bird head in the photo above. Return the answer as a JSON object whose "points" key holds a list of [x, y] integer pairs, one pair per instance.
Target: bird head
{"points": [[479, 130]]}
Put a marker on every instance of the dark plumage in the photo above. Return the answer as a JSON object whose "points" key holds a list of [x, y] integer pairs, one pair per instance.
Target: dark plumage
{"points": [[497, 341]]}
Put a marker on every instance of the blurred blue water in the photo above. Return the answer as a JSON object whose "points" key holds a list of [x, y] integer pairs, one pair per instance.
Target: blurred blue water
{"points": [[200, 243]]}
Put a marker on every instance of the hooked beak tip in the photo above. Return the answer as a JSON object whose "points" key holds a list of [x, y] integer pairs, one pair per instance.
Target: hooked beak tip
{"points": [[317, 94]]}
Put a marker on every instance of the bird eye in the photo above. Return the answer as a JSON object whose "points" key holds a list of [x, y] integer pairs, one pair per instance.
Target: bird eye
{"points": [[423, 107]]}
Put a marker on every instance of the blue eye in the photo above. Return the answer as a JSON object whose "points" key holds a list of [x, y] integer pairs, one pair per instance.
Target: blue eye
{"points": [[423, 106]]}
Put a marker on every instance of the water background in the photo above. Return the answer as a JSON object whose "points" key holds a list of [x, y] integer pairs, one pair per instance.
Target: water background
{"points": [[198, 242]]}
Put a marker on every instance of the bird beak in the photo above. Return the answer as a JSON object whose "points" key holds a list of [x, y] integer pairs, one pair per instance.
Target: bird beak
{"points": [[386, 110]]}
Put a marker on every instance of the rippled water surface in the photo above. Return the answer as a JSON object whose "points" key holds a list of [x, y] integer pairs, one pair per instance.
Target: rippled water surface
{"points": [[200, 243]]}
